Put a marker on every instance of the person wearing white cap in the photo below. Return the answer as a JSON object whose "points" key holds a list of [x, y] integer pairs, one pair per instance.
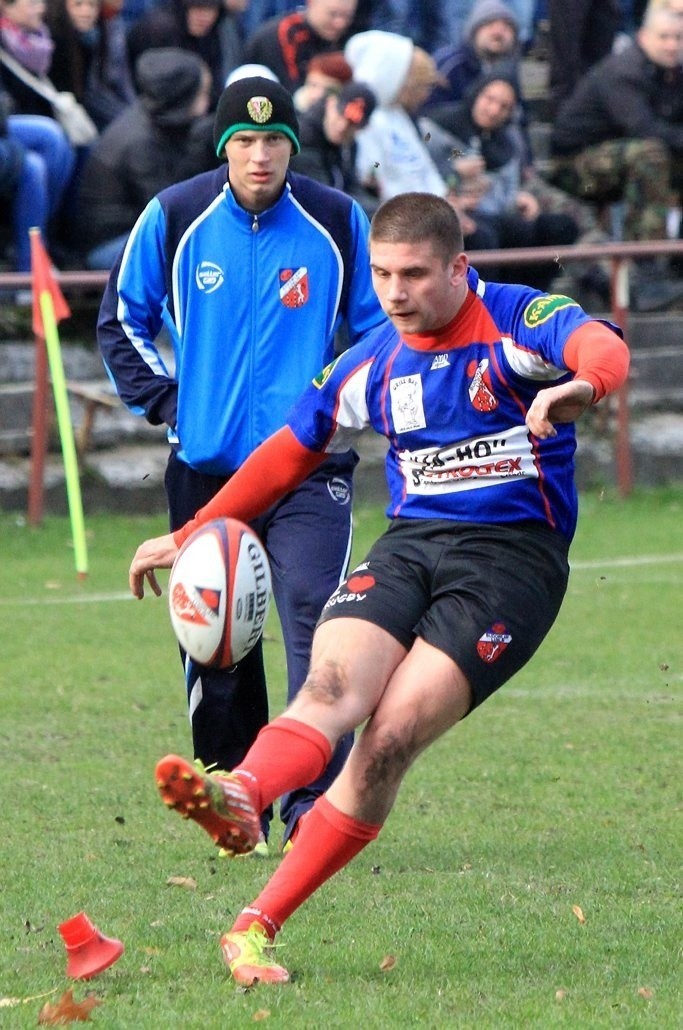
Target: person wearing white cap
{"points": [[392, 155]]}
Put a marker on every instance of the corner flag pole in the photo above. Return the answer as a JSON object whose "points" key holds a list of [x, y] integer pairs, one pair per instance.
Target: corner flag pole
{"points": [[49, 307]]}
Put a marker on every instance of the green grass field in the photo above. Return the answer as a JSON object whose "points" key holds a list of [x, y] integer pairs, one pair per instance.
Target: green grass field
{"points": [[528, 876]]}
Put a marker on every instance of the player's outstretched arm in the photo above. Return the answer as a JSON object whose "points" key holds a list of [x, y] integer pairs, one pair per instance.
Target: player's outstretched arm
{"points": [[563, 403], [271, 471], [599, 359]]}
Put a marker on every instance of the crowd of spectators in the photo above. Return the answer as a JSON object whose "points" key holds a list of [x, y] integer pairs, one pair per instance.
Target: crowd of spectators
{"points": [[392, 95]]}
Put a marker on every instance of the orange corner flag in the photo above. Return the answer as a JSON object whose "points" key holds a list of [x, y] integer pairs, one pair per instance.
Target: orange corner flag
{"points": [[44, 280]]}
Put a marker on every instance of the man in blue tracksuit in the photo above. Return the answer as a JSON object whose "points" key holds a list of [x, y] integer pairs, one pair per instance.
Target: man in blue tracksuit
{"points": [[251, 272]]}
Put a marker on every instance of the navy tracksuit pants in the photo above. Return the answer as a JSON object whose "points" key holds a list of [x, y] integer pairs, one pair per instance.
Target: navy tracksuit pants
{"points": [[307, 536]]}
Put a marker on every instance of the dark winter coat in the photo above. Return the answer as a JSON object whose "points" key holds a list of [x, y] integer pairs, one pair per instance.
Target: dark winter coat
{"points": [[624, 96], [151, 145]]}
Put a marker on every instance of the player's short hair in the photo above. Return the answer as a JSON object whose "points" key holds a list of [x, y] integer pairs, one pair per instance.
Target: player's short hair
{"points": [[416, 217]]}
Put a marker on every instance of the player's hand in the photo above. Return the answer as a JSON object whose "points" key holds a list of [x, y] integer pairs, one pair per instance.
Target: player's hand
{"points": [[563, 403], [157, 553]]}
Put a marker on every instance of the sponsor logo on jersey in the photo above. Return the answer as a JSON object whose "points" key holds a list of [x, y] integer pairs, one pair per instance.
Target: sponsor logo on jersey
{"points": [[543, 308], [407, 409], [323, 376], [260, 109], [491, 644], [469, 464], [208, 276], [480, 389], [440, 361], [339, 490], [200, 608], [294, 288]]}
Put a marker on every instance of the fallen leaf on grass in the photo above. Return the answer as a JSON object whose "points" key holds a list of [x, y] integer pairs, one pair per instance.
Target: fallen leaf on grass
{"points": [[182, 881], [387, 963], [646, 992], [66, 1010], [261, 1014], [560, 995], [578, 912]]}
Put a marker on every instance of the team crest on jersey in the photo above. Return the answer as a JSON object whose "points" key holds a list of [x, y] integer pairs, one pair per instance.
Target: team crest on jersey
{"points": [[208, 276], [480, 388], [294, 287], [323, 376], [407, 409], [543, 308], [259, 109], [491, 644]]}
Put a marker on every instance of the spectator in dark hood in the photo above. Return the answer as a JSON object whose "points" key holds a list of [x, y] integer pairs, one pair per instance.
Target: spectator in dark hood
{"points": [[486, 168], [490, 41], [157, 141], [208, 28]]}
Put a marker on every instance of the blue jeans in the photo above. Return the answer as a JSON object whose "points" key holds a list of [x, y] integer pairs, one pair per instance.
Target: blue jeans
{"points": [[47, 172]]}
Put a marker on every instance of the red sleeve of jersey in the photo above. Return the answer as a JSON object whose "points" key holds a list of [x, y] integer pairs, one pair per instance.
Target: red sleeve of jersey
{"points": [[595, 353], [271, 471]]}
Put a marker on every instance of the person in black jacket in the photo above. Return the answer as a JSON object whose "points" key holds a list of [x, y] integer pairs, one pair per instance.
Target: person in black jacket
{"points": [[327, 133], [619, 137], [287, 44], [157, 141]]}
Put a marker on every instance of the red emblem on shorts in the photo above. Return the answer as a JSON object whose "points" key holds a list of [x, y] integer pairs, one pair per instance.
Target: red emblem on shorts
{"points": [[491, 644], [294, 287], [480, 388], [357, 584]]}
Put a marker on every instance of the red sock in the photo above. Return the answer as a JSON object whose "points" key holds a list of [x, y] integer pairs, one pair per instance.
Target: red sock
{"points": [[286, 754], [327, 841]]}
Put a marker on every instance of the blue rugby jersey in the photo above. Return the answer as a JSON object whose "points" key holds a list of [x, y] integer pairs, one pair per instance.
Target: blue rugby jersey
{"points": [[251, 304], [453, 414]]}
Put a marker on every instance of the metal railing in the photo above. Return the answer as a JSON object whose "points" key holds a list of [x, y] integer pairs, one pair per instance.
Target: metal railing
{"points": [[618, 254]]}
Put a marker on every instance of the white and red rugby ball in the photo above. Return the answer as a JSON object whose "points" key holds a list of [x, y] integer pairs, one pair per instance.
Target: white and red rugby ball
{"points": [[219, 592]]}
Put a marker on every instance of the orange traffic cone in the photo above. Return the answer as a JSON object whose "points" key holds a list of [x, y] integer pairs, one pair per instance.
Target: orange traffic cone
{"points": [[89, 951]]}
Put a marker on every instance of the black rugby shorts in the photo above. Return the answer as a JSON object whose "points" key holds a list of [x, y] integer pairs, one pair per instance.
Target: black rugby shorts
{"points": [[486, 595]]}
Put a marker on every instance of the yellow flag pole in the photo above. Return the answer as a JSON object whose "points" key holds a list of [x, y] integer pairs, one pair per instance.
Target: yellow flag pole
{"points": [[66, 433]]}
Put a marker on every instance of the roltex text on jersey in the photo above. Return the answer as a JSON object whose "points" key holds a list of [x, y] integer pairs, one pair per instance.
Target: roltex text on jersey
{"points": [[452, 405], [266, 303]]}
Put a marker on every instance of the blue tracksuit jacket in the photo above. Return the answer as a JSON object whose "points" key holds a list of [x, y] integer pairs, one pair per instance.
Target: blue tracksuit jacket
{"points": [[251, 303]]}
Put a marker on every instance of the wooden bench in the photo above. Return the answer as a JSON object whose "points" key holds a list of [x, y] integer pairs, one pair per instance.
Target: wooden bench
{"points": [[95, 396]]}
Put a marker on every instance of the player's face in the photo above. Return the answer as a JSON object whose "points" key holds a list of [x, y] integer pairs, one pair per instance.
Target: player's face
{"points": [[257, 167], [416, 289]]}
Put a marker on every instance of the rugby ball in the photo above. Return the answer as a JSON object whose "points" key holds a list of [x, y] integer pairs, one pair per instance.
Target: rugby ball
{"points": [[219, 593]]}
